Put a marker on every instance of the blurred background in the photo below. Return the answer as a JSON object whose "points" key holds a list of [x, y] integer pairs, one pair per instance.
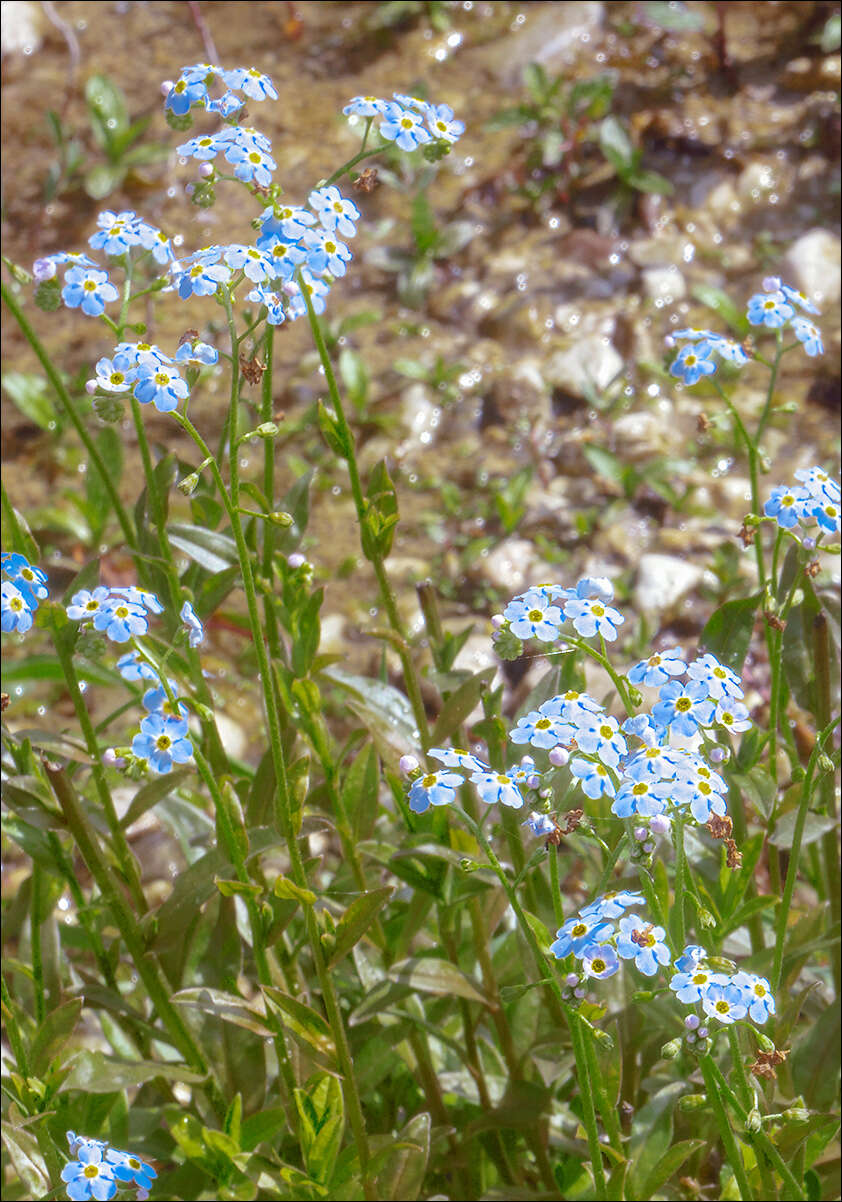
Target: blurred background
{"points": [[627, 169]]}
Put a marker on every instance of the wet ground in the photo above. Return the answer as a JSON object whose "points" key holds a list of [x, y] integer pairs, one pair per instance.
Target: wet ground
{"points": [[529, 362]]}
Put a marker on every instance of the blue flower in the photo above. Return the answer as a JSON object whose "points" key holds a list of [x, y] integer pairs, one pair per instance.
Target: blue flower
{"points": [[692, 983], [593, 617], [404, 127], [139, 596], [725, 1002], [201, 354], [117, 233], [89, 1176], [693, 362], [183, 95], [542, 730], [121, 620], [770, 309], [642, 727], [326, 253], [256, 265], [110, 378], [601, 737], [289, 222], [364, 106], [316, 289], [162, 385], [194, 626], [456, 757], [733, 716], [131, 1169], [274, 303], [541, 825], [202, 148], [130, 354], [757, 995], [442, 124], [643, 943], [16, 609], [251, 163], [683, 708], [819, 485], [808, 335], [595, 779], [131, 667], [200, 278], [28, 580], [645, 797], [45, 268], [156, 701], [700, 795], [692, 955], [284, 255], [794, 297], [498, 787], [251, 81], [88, 288], [534, 616], [224, 106], [657, 669], [721, 682], [652, 761], [334, 211], [578, 934], [86, 605], [162, 741], [786, 505], [827, 516], [600, 962], [436, 789], [611, 905]]}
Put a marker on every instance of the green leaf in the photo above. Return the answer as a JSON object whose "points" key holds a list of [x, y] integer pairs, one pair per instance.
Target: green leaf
{"points": [[307, 634], [405, 1165], [383, 710], [360, 792], [673, 17], [615, 144], [356, 920], [31, 395], [331, 431], [382, 505], [352, 369], [814, 827], [720, 302], [651, 1136], [107, 109], [225, 1006], [238, 888], [103, 179], [431, 975], [459, 704], [52, 1035], [727, 633], [27, 1160], [150, 794], [321, 1111], [302, 1021], [284, 887], [110, 446], [423, 224], [650, 181], [265, 1126], [668, 1164], [94, 1072], [213, 551]]}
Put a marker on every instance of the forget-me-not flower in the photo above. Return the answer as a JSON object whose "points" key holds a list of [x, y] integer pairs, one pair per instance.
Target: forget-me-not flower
{"points": [[434, 789], [89, 289]]}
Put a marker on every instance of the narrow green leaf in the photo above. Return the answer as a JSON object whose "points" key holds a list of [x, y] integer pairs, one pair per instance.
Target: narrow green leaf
{"points": [[357, 919], [669, 1163], [30, 395], [302, 1020], [727, 633], [226, 1006], [432, 975], [94, 1072], [321, 1111], [284, 887], [211, 550], [402, 1175], [720, 302], [53, 1034], [460, 703]]}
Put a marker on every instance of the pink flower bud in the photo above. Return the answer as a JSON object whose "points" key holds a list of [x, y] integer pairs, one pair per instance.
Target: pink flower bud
{"points": [[558, 756], [408, 763]]}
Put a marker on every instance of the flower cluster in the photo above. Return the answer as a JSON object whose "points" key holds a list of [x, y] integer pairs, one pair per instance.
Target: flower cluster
{"points": [[602, 934], [815, 500], [248, 151], [119, 613], [723, 996], [25, 587], [408, 121], [98, 1171], [541, 612], [191, 89], [152, 375], [772, 308]]}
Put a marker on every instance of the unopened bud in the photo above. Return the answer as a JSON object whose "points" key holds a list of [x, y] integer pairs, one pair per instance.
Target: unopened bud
{"points": [[497, 620], [111, 759], [692, 1021], [572, 979], [796, 1114], [692, 1101], [635, 696], [825, 763], [558, 756], [659, 824], [280, 518], [188, 484], [467, 865], [408, 764], [764, 1042], [719, 754], [267, 430], [753, 1122], [604, 1040], [296, 560], [649, 847], [641, 834], [206, 170], [166, 87], [672, 1049], [91, 387]]}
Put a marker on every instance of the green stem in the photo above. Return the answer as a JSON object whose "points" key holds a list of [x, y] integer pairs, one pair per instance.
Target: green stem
{"points": [[148, 971], [680, 882], [410, 674], [732, 1150], [607, 1109], [122, 850], [70, 411], [35, 944], [588, 1113], [825, 787]]}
